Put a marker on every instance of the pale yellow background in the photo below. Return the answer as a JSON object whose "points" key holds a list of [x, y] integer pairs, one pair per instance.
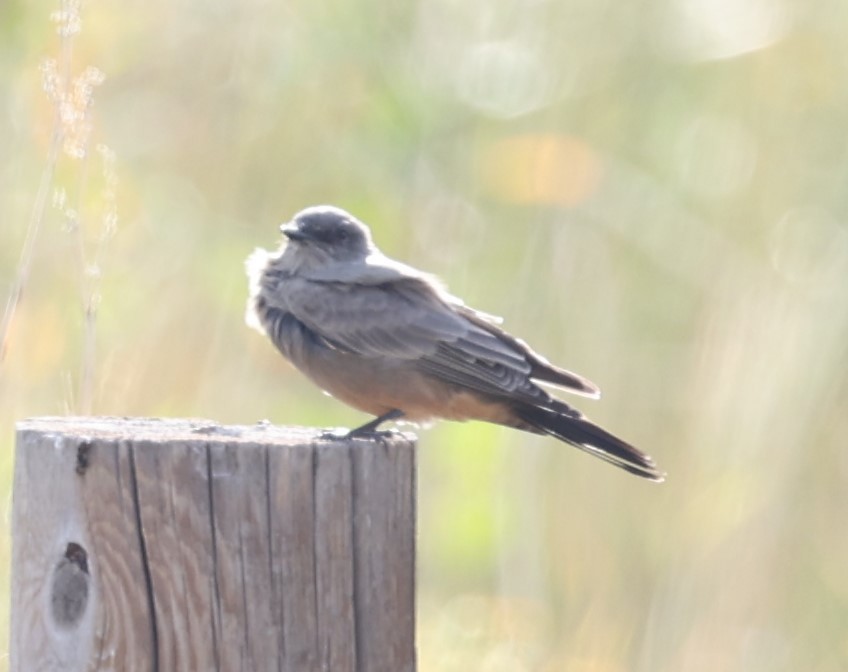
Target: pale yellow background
{"points": [[653, 193]]}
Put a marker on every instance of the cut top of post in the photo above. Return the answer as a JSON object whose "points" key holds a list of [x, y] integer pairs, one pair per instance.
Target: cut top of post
{"points": [[178, 429]]}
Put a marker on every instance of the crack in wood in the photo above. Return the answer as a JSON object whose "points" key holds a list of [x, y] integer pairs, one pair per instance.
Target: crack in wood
{"points": [[215, 587], [145, 562]]}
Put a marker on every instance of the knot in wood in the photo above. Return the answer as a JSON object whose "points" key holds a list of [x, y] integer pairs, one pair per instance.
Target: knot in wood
{"points": [[69, 591]]}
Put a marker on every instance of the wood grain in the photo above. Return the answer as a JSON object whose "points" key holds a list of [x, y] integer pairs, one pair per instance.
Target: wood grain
{"points": [[143, 544]]}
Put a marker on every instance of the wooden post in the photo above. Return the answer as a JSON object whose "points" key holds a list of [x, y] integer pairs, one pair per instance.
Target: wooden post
{"points": [[185, 545]]}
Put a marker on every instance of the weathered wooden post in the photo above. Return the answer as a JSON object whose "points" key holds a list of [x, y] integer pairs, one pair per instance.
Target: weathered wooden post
{"points": [[183, 545]]}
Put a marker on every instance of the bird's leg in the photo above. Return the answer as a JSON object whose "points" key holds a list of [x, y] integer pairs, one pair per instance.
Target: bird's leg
{"points": [[371, 426]]}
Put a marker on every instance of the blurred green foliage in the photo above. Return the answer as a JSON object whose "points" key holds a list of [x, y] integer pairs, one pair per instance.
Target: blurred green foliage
{"points": [[653, 194]]}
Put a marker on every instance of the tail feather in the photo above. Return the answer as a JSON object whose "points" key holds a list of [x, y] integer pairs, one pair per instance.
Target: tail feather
{"points": [[583, 434]]}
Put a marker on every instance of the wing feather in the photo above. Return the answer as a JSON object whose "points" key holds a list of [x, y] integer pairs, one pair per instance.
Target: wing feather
{"points": [[409, 318]]}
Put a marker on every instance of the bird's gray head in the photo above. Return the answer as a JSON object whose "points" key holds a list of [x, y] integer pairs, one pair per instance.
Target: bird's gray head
{"points": [[323, 234]]}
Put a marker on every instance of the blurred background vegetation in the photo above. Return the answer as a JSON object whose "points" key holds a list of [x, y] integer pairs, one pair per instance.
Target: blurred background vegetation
{"points": [[654, 194]]}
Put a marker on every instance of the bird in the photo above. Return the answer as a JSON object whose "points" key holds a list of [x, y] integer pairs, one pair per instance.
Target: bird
{"points": [[391, 341]]}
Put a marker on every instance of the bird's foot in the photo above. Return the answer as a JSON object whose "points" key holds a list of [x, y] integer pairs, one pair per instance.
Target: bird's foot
{"points": [[344, 434], [334, 434], [368, 430]]}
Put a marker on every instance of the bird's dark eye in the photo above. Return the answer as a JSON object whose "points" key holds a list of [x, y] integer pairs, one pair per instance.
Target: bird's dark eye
{"points": [[343, 235]]}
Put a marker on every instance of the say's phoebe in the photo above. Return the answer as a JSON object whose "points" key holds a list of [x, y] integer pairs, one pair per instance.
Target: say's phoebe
{"points": [[389, 340]]}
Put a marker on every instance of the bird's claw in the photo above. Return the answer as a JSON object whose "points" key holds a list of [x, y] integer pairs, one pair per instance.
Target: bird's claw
{"points": [[344, 434], [334, 434]]}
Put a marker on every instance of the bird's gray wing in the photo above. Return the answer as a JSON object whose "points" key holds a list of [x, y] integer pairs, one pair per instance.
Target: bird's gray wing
{"points": [[398, 319], [410, 319], [540, 368]]}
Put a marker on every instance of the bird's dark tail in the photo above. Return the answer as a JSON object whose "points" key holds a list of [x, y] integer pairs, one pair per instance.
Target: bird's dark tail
{"points": [[579, 432]]}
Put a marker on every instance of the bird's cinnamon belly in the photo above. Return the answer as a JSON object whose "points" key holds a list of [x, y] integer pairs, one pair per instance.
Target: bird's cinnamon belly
{"points": [[377, 386]]}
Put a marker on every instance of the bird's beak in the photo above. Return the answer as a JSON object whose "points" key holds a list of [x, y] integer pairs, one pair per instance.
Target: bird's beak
{"points": [[291, 231]]}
